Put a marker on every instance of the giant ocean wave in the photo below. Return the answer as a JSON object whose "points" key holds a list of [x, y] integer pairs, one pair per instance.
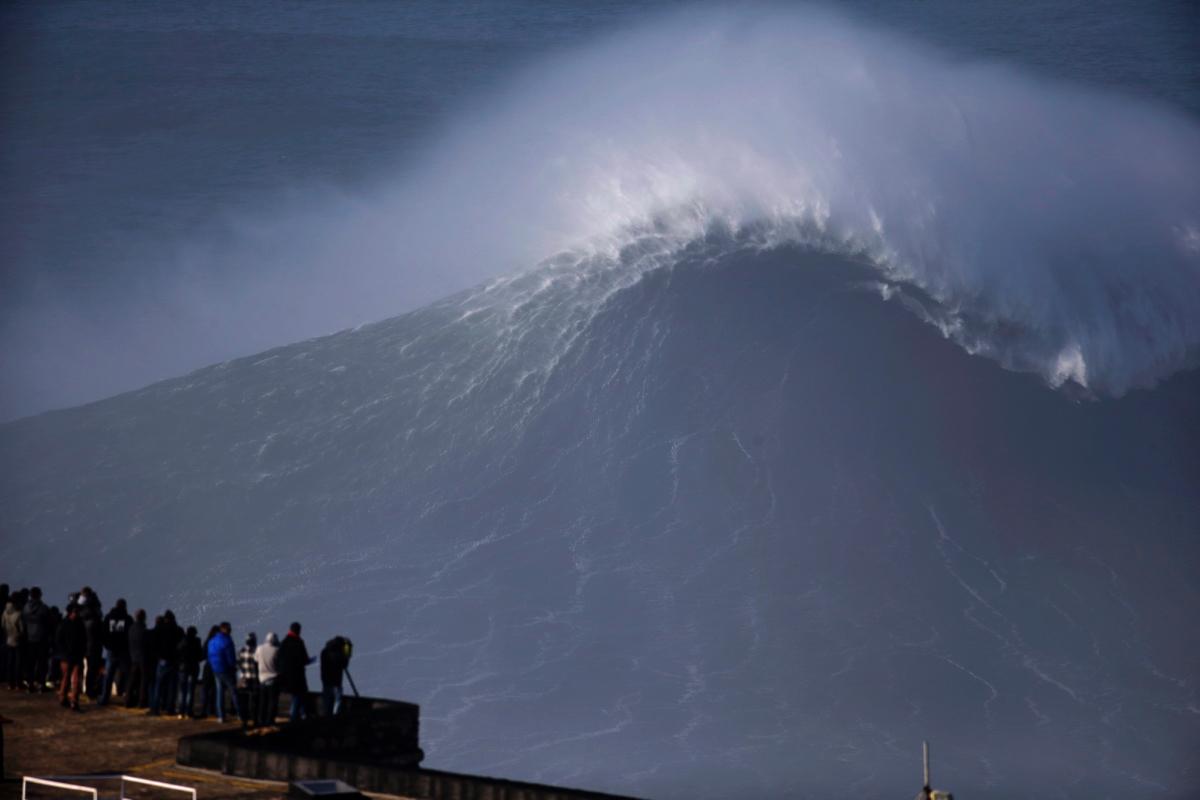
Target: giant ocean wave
{"points": [[706, 511], [1057, 228]]}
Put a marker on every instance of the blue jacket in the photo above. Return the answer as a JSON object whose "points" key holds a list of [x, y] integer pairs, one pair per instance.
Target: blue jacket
{"points": [[221, 655]]}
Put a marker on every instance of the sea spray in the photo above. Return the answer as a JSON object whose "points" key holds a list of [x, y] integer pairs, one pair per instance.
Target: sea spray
{"points": [[1056, 226]]}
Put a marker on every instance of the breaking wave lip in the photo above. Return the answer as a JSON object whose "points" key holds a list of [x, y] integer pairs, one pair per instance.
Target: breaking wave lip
{"points": [[1058, 359], [584, 278], [1055, 229]]}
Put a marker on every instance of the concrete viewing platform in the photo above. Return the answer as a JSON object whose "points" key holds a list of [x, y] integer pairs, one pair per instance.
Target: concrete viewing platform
{"points": [[373, 745]]}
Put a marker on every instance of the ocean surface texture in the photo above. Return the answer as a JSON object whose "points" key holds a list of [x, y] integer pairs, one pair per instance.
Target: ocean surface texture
{"points": [[758, 391]]}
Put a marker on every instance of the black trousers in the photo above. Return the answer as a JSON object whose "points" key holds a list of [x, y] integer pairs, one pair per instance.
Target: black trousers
{"points": [[141, 678], [268, 702], [37, 664], [12, 666], [248, 703]]}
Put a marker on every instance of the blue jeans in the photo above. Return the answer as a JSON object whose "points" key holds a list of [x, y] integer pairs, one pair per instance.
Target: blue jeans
{"points": [[226, 683], [332, 697], [187, 688], [164, 688], [297, 712], [112, 665]]}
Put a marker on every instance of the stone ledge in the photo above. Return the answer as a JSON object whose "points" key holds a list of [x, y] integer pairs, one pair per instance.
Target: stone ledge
{"points": [[373, 747]]}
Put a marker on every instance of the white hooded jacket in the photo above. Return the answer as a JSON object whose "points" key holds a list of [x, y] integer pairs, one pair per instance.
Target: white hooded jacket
{"points": [[267, 655]]}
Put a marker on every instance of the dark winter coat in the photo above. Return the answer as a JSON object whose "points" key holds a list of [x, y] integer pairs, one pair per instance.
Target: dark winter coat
{"points": [[54, 621], [116, 632], [37, 621], [191, 653], [138, 637], [166, 636], [93, 627], [71, 641], [292, 659], [334, 660]]}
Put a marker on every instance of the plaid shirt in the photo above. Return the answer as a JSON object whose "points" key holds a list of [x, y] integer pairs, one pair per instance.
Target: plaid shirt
{"points": [[247, 668]]}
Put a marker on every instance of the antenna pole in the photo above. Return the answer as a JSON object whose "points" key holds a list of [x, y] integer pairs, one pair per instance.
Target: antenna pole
{"points": [[925, 758]]}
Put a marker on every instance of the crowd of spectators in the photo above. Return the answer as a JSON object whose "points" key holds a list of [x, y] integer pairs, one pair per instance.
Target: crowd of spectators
{"points": [[162, 667]]}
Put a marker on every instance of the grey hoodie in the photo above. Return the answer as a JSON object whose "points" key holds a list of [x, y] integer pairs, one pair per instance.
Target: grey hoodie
{"points": [[37, 620], [267, 655], [14, 627]]}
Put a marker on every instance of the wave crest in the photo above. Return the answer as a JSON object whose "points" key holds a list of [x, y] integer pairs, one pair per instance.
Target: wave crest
{"points": [[1055, 227]]}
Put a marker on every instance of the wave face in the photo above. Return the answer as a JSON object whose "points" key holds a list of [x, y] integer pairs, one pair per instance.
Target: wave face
{"points": [[708, 521], [1058, 227]]}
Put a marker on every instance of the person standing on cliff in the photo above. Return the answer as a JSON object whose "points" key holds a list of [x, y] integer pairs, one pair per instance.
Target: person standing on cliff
{"points": [[71, 643], [293, 659], [165, 637], [335, 658], [93, 625], [14, 642], [247, 680], [141, 668], [266, 655], [208, 686], [223, 661], [37, 638], [116, 642], [191, 653], [54, 621]]}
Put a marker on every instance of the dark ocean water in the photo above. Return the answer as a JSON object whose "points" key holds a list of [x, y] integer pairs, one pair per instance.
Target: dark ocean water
{"points": [[141, 140]]}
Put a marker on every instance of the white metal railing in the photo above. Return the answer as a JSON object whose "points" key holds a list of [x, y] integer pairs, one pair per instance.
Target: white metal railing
{"points": [[74, 787], [71, 787], [174, 787]]}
